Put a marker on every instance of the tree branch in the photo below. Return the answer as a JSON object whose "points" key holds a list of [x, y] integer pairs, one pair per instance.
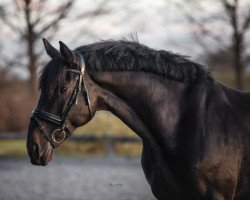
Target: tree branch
{"points": [[231, 11], [202, 29], [100, 10], [5, 19], [246, 23], [54, 23]]}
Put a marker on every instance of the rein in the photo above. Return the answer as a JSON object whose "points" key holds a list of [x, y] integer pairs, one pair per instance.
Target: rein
{"points": [[59, 135]]}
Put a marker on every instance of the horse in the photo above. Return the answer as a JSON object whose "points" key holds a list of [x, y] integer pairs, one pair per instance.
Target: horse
{"points": [[195, 131]]}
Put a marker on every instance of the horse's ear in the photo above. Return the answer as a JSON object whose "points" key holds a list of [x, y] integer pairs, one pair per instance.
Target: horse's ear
{"points": [[51, 51], [66, 53]]}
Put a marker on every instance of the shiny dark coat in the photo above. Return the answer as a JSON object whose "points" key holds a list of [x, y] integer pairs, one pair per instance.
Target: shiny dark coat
{"points": [[195, 131]]}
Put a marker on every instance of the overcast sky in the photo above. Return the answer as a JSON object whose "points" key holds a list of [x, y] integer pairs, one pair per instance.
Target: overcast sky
{"points": [[158, 24]]}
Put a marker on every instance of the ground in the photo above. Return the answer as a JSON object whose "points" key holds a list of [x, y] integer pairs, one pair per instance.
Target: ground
{"points": [[74, 179]]}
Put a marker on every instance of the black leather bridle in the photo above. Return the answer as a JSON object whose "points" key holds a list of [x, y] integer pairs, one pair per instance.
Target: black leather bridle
{"points": [[59, 135]]}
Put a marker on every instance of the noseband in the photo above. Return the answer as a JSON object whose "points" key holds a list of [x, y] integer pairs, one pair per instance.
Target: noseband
{"points": [[59, 135]]}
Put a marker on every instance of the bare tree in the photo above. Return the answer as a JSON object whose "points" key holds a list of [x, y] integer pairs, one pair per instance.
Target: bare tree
{"points": [[34, 15], [37, 17], [238, 36], [232, 27]]}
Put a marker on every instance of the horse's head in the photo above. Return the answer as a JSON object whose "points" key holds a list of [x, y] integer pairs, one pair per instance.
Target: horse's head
{"points": [[65, 103]]}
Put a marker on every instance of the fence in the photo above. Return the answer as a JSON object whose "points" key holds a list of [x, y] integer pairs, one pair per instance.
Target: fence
{"points": [[109, 141]]}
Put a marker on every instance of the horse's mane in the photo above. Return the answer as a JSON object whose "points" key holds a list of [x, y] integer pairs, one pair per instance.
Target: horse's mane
{"points": [[124, 55], [53, 76]]}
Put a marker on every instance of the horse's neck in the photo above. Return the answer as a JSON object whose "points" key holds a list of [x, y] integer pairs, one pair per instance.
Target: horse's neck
{"points": [[143, 101]]}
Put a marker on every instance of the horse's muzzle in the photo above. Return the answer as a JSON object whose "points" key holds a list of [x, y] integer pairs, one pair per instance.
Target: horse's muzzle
{"points": [[40, 151]]}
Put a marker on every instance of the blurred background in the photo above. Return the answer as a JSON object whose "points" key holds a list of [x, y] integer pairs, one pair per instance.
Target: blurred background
{"points": [[215, 33]]}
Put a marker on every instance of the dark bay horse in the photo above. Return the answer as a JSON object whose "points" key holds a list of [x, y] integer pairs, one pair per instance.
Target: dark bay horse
{"points": [[195, 131]]}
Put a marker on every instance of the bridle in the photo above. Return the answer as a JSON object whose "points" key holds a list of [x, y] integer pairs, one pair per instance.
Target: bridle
{"points": [[59, 135]]}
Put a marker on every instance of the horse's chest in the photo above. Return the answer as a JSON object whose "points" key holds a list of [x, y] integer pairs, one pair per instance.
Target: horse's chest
{"points": [[161, 180]]}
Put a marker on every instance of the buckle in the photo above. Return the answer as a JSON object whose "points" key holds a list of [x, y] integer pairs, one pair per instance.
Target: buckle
{"points": [[58, 135]]}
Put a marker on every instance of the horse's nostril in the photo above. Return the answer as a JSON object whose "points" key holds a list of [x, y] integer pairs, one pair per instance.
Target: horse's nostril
{"points": [[35, 149]]}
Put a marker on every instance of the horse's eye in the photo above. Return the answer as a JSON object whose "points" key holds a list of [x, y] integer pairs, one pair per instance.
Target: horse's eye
{"points": [[63, 89]]}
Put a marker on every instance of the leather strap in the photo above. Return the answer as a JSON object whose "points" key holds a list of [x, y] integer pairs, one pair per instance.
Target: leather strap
{"points": [[46, 116], [61, 120]]}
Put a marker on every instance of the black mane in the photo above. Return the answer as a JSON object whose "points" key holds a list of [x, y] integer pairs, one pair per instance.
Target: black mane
{"points": [[124, 55], [52, 76]]}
